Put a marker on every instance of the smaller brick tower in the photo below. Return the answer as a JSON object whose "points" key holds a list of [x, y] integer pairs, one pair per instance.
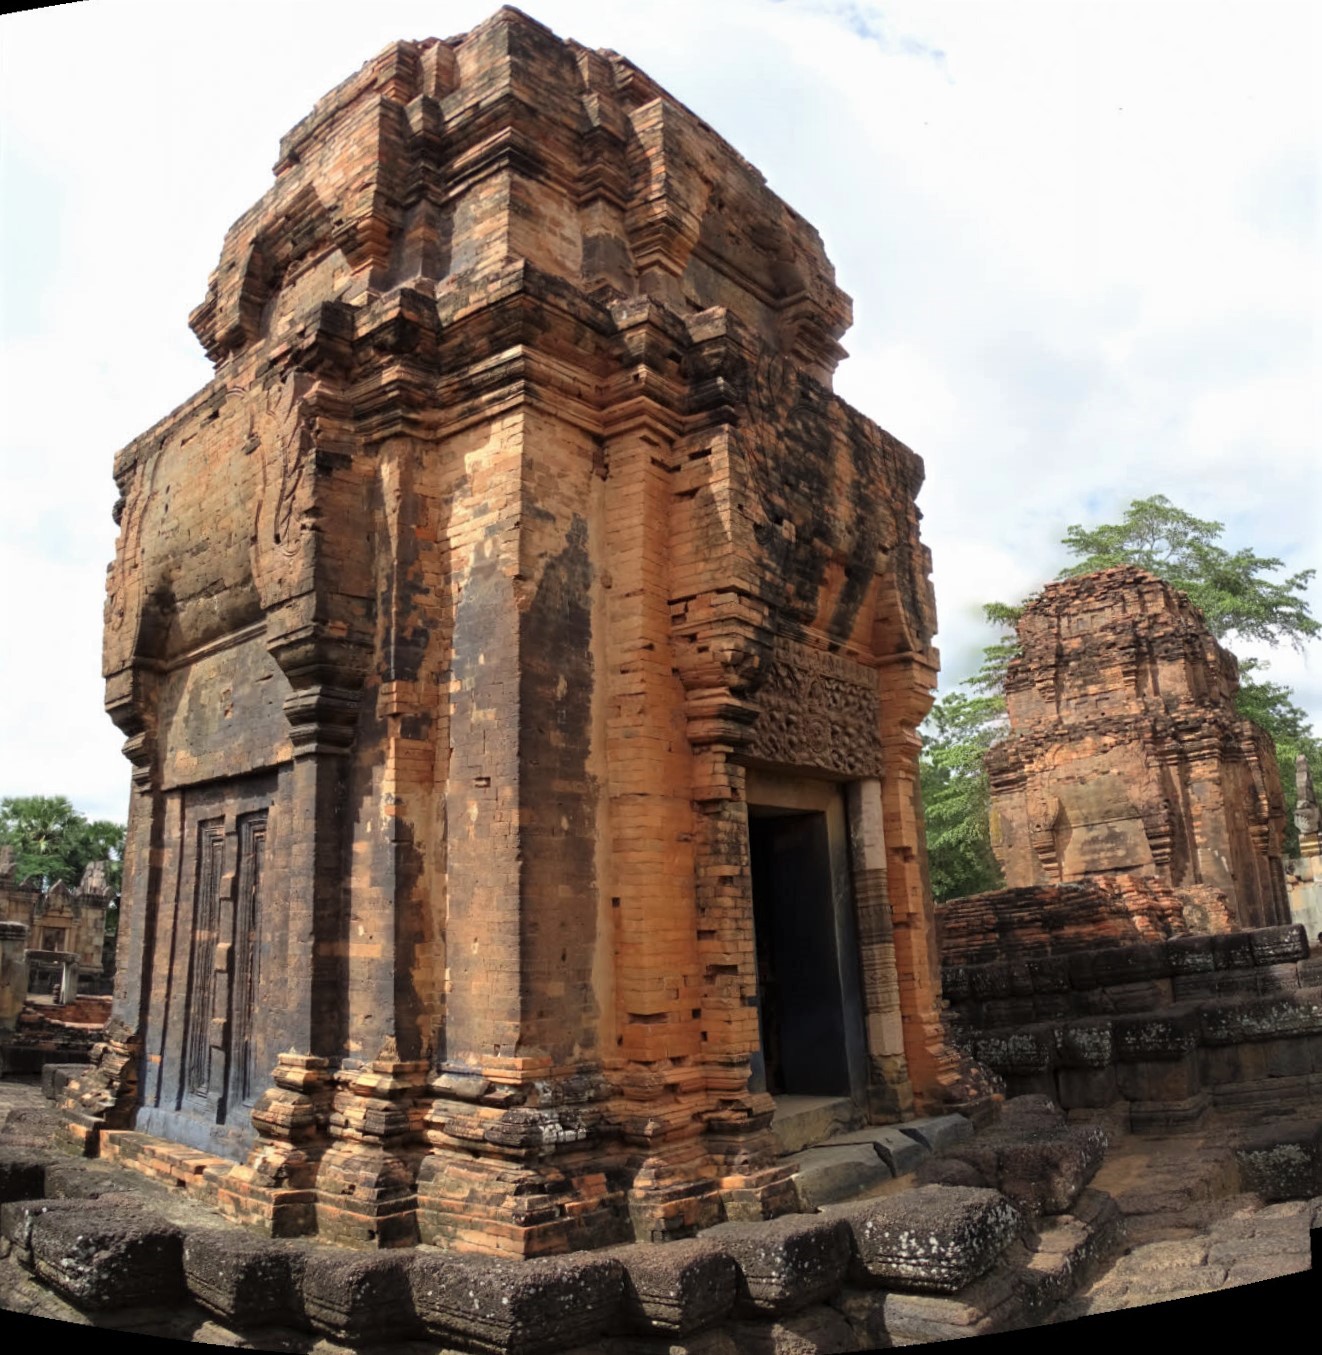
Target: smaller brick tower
{"points": [[1127, 754]]}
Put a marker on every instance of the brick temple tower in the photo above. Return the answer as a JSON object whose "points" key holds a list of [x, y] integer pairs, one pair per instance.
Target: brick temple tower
{"points": [[1127, 755], [520, 651]]}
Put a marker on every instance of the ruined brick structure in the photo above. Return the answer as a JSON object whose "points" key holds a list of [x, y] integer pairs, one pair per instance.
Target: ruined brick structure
{"points": [[1138, 957], [1303, 874], [515, 617], [66, 928], [1126, 753], [1063, 919]]}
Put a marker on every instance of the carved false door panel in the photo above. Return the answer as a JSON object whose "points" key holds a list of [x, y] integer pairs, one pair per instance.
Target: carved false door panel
{"points": [[219, 1071], [198, 1089], [240, 1073]]}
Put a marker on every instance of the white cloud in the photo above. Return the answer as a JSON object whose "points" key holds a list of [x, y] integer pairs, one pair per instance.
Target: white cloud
{"points": [[1082, 242]]}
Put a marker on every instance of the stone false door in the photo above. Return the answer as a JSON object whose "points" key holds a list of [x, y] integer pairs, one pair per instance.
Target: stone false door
{"points": [[219, 1071]]}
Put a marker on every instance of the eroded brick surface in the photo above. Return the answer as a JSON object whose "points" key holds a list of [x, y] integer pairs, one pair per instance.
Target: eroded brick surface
{"points": [[1126, 752]]}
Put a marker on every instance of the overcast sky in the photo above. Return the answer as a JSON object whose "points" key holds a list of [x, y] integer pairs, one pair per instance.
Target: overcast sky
{"points": [[1082, 242]]}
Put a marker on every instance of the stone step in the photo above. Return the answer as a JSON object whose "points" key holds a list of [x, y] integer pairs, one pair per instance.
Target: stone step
{"points": [[902, 1153], [831, 1172], [855, 1163], [800, 1121], [158, 1158]]}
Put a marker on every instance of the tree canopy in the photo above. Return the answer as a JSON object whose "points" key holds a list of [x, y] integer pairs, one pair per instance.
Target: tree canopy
{"points": [[1239, 599], [53, 841], [1233, 590], [956, 794]]}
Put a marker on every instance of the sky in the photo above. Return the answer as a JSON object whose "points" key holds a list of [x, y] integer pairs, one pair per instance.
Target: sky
{"points": [[1082, 241]]}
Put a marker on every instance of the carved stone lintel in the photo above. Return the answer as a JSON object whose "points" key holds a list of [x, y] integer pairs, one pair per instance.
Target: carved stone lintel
{"points": [[818, 710]]}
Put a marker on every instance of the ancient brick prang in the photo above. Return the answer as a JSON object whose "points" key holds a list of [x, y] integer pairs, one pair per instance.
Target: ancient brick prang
{"points": [[516, 613], [1127, 754]]}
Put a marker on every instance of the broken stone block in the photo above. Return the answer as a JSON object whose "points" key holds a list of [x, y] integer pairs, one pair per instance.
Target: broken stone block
{"points": [[1021, 1113], [988, 981], [1190, 955], [17, 1217], [1232, 950], [101, 1256], [990, 1304], [933, 1239], [1160, 1079], [1277, 945], [245, 1279], [901, 1152], [1279, 978], [1050, 973], [1165, 1035], [836, 1171], [1040, 1171], [787, 1263], [1015, 1052], [938, 1132], [80, 1179], [817, 1329], [1231, 1020], [55, 1077], [952, 1171], [677, 1288], [30, 1129], [22, 1175], [1284, 1162], [1084, 1044], [509, 1307], [1163, 1116], [1086, 1088], [1116, 965], [1045, 1171], [353, 1295], [955, 984], [1066, 1251]]}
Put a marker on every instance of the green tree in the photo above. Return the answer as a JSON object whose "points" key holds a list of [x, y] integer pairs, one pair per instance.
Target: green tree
{"points": [[956, 797], [52, 840], [1239, 600]]}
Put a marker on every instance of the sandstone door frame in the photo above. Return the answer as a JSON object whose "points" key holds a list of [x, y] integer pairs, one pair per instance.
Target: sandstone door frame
{"points": [[800, 797]]}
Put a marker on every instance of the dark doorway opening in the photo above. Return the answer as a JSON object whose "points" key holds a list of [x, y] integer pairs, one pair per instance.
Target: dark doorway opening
{"points": [[804, 1010]]}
